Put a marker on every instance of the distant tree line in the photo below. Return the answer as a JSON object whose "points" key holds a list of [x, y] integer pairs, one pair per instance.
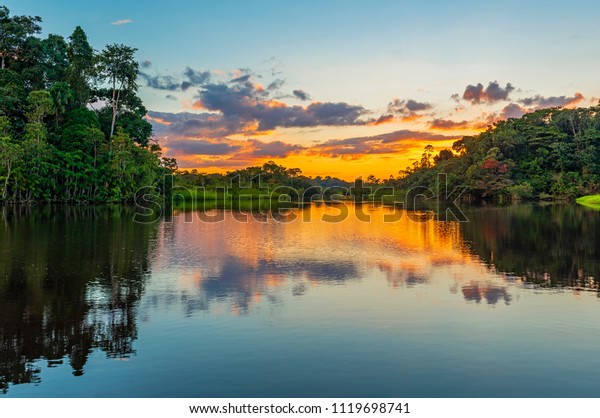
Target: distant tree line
{"points": [[268, 176], [72, 127], [546, 154]]}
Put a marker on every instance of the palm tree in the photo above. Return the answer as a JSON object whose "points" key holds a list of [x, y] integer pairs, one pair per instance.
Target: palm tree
{"points": [[62, 96]]}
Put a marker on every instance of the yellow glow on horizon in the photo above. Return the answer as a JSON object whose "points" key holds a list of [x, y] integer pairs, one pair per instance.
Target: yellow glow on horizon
{"points": [[347, 168]]}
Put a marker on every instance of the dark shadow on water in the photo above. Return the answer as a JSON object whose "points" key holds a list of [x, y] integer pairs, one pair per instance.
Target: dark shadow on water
{"points": [[492, 294], [549, 245], [70, 280]]}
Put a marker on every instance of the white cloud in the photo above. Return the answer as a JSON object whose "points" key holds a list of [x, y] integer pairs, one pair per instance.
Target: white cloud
{"points": [[122, 22]]}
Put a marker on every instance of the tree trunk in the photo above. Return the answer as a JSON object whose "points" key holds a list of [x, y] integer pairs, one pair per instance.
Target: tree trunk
{"points": [[5, 191], [8, 173], [115, 106], [114, 119]]}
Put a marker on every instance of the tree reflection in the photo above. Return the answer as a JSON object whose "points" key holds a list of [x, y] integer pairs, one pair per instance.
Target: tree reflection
{"points": [[71, 278], [68, 286], [548, 245]]}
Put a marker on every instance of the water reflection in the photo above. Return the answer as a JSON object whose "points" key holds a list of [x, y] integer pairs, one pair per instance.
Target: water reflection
{"points": [[79, 280], [244, 262], [492, 294], [70, 280], [548, 245]]}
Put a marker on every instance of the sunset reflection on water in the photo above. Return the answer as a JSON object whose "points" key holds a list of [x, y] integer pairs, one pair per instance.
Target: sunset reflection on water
{"points": [[297, 305], [253, 259]]}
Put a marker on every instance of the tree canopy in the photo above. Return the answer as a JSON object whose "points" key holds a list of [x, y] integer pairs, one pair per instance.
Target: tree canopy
{"points": [[72, 127], [549, 153]]}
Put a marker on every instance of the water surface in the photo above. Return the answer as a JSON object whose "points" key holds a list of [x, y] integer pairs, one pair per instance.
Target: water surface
{"points": [[95, 305]]}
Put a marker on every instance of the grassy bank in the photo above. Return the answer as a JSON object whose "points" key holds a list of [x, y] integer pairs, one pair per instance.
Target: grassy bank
{"points": [[592, 201]]}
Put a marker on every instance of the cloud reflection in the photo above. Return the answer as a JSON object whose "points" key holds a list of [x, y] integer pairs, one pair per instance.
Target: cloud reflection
{"points": [[492, 294]]}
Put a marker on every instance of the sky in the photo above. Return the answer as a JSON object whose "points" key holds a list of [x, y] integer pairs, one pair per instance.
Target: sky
{"points": [[339, 88]]}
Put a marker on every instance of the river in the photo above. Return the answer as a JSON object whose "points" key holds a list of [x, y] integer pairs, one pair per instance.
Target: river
{"points": [[325, 300]]}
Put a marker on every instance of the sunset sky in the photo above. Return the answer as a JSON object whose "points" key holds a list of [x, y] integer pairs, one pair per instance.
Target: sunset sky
{"points": [[340, 88]]}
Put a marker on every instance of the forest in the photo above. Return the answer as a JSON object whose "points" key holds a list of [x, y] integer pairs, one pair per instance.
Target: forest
{"points": [[72, 128], [547, 154]]}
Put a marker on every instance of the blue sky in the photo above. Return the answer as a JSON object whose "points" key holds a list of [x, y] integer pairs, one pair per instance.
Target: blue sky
{"points": [[356, 53]]}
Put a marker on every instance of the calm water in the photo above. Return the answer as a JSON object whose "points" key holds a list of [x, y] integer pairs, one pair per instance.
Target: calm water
{"points": [[95, 305]]}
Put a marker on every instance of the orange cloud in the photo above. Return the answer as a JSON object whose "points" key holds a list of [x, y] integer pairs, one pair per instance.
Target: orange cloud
{"points": [[275, 103], [192, 105], [391, 143], [575, 100], [381, 155], [541, 102], [383, 119], [411, 117], [229, 118], [479, 124], [158, 120]]}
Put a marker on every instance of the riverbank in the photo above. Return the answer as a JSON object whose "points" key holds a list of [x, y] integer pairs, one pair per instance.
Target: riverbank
{"points": [[591, 201]]}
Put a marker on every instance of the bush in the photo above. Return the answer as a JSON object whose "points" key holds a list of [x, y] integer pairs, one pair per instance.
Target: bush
{"points": [[521, 191]]}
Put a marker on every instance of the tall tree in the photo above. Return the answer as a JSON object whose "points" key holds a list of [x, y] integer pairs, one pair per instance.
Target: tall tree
{"points": [[55, 60], [119, 69], [101, 155], [14, 32], [81, 65]]}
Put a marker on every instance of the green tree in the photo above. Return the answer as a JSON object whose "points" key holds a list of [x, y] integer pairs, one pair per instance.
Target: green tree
{"points": [[14, 32], [54, 59], [118, 67], [81, 65], [62, 97], [82, 132], [48, 81], [34, 176], [131, 120], [10, 154], [40, 105], [13, 94]]}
